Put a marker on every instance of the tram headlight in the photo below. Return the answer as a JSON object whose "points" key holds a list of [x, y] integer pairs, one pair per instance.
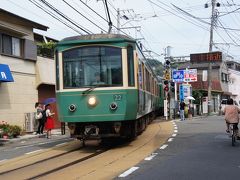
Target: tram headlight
{"points": [[72, 107], [92, 101]]}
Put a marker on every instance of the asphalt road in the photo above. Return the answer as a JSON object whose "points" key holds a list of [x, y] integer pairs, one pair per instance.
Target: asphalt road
{"points": [[200, 150], [25, 146]]}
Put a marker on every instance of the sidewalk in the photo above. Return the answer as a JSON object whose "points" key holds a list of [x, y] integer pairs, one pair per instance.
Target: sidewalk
{"points": [[55, 133]]}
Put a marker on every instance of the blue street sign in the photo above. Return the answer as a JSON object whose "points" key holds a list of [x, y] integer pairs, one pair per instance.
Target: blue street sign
{"points": [[178, 75], [5, 73], [181, 92]]}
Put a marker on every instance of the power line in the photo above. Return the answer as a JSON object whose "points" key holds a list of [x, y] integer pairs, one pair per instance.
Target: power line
{"points": [[52, 15], [83, 15], [177, 15], [64, 16], [93, 10]]}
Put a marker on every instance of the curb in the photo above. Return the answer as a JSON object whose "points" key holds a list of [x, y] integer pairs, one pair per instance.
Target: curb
{"points": [[56, 132]]}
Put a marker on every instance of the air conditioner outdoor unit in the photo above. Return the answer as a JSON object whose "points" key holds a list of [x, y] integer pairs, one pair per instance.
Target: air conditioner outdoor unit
{"points": [[30, 122]]}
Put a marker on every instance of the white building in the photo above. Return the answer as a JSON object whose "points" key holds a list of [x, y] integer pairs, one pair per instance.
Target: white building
{"points": [[234, 80]]}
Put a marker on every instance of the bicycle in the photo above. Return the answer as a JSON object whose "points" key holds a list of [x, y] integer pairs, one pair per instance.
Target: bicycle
{"points": [[233, 133]]}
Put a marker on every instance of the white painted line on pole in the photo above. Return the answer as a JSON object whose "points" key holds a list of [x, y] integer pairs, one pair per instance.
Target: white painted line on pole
{"points": [[170, 139], [173, 135], [3, 160], [126, 173], [61, 144], [163, 146], [34, 151], [150, 157]]}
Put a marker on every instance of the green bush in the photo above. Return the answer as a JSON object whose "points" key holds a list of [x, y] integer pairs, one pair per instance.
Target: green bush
{"points": [[46, 49], [9, 130]]}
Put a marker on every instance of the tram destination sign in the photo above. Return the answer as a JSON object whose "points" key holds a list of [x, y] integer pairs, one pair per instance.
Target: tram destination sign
{"points": [[206, 57]]}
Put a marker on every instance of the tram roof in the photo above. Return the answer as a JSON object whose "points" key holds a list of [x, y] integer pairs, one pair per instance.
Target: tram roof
{"points": [[98, 37]]}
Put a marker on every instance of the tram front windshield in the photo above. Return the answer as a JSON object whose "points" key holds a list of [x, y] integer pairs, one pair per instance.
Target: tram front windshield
{"points": [[95, 66]]}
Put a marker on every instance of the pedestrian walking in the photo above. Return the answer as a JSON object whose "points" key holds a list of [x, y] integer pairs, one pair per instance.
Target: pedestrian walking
{"points": [[181, 108], [39, 118], [50, 122]]}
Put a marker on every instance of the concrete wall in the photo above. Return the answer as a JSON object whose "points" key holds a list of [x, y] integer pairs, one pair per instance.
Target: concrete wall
{"points": [[17, 98]]}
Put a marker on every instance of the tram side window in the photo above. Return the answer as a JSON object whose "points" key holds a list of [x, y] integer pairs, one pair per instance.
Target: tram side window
{"points": [[130, 62]]}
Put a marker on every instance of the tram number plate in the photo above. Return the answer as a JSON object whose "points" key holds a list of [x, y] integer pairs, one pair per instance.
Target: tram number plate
{"points": [[117, 97]]}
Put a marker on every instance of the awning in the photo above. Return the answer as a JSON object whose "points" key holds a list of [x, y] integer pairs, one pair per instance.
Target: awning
{"points": [[5, 73]]}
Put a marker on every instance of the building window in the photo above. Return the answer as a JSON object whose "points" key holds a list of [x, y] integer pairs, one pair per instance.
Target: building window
{"points": [[225, 77], [11, 45]]}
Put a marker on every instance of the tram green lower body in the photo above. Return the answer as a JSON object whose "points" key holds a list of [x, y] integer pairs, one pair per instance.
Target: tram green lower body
{"points": [[127, 102]]}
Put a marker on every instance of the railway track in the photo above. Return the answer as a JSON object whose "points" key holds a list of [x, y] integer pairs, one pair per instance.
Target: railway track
{"points": [[51, 164], [77, 162]]}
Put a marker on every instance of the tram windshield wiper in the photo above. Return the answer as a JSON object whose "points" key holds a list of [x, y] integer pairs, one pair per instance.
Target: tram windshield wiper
{"points": [[95, 86], [89, 89]]}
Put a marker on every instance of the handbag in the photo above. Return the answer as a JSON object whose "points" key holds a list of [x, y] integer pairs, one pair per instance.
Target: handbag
{"points": [[38, 115]]}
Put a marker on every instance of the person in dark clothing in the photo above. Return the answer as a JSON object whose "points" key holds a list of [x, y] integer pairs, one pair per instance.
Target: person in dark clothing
{"points": [[39, 118], [181, 108]]}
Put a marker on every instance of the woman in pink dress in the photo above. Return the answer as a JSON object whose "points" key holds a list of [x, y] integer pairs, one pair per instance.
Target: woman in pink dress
{"points": [[50, 122]]}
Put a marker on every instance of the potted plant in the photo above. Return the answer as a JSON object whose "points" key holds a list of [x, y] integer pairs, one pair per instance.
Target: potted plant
{"points": [[16, 131]]}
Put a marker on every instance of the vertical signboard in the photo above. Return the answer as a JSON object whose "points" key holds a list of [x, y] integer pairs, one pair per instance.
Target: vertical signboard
{"points": [[165, 108], [185, 90], [181, 92]]}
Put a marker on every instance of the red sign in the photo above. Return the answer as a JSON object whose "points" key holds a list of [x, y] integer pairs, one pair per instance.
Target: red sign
{"points": [[190, 75], [206, 57]]}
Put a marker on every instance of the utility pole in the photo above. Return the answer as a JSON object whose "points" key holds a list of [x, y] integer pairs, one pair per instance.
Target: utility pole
{"points": [[209, 64]]}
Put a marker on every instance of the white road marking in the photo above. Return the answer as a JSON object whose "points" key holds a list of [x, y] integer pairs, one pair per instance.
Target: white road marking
{"points": [[175, 131], [3, 160], [43, 143], [170, 139], [173, 135], [126, 173], [19, 147], [150, 157], [34, 151], [175, 127], [61, 144], [163, 146]]}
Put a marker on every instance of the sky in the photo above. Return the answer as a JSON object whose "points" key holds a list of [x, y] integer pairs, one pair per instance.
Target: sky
{"points": [[181, 25]]}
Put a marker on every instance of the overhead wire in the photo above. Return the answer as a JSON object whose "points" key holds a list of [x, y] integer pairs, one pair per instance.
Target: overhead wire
{"points": [[83, 15], [54, 16], [65, 17], [32, 12], [101, 16], [76, 3], [177, 15]]}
